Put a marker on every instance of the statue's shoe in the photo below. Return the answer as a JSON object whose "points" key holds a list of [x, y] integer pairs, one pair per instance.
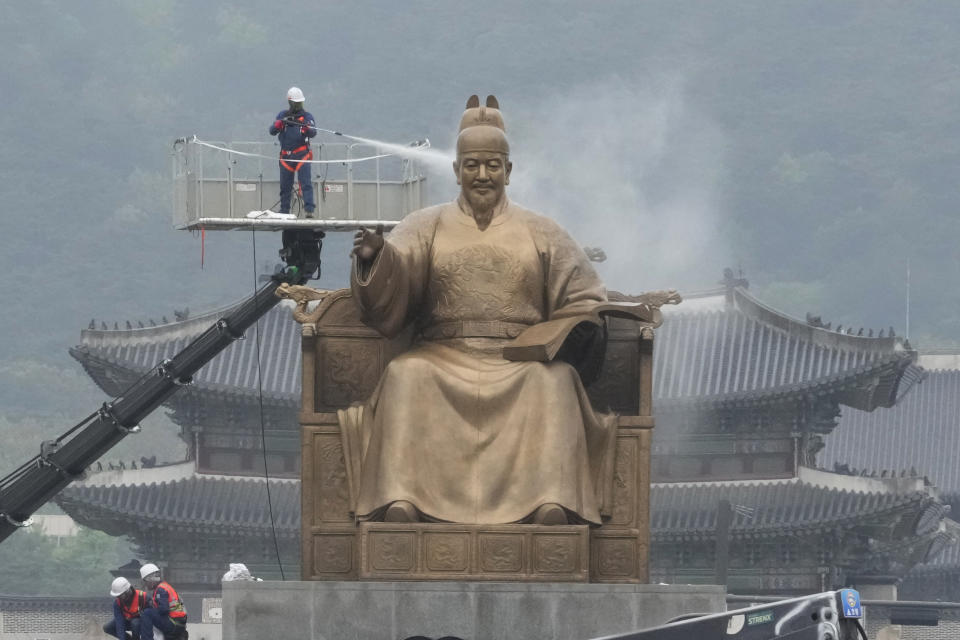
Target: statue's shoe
{"points": [[401, 511], [550, 513]]}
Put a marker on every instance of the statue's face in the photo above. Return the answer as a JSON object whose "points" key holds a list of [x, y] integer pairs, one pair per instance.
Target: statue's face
{"points": [[483, 166], [483, 177]]}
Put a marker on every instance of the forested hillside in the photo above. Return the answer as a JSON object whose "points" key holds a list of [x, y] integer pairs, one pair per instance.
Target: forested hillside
{"points": [[814, 144]]}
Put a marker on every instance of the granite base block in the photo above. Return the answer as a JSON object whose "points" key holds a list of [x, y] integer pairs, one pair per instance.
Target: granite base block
{"points": [[467, 610], [466, 553]]}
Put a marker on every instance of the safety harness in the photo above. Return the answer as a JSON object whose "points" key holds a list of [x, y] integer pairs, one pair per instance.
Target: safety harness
{"points": [[293, 152], [283, 154]]}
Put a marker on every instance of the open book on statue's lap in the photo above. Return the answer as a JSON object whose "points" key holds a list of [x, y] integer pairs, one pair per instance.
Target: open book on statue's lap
{"points": [[542, 341]]}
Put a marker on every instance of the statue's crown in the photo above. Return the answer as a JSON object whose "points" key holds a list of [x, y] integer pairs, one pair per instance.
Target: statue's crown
{"points": [[476, 116]]}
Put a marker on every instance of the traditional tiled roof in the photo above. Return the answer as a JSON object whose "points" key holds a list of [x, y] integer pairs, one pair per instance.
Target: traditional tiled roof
{"points": [[921, 432], [10, 602], [678, 510], [49, 617], [688, 510], [197, 503], [725, 348], [741, 350], [115, 358]]}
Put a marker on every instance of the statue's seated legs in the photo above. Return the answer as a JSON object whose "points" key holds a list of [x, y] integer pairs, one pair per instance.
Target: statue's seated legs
{"points": [[472, 439], [546, 514]]}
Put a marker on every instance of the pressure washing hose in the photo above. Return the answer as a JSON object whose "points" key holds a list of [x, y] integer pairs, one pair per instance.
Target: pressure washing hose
{"points": [[399, 149]]}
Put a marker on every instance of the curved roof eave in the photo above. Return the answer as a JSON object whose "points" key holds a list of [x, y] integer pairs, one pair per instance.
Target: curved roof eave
{"points": [[679, 510], [735, 350], [97, 367], [890, 387], [189, 328], [817, 335]]}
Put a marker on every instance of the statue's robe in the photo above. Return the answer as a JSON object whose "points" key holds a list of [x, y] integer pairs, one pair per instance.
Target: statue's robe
{"points": [[452, 427]]}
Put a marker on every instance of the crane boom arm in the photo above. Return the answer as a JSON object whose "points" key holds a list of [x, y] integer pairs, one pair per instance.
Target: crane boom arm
{"points": [[65, 459]]}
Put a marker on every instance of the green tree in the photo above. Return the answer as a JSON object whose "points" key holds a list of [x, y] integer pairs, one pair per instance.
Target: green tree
{"points": [[37, 564]]}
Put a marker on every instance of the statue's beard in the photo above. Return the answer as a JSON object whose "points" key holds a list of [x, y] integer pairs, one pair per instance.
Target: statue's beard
{"points": [[483, 205]]}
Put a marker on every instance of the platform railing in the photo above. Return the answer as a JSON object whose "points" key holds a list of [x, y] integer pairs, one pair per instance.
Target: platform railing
{"points": [[217, 184]]}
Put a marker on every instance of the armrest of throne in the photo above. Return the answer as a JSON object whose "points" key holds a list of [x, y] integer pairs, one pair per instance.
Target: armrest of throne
{"points": [[621, 378], [342, 357]]}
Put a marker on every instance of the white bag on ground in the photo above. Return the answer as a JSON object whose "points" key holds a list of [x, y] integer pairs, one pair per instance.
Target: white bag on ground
{"points": [[239, 573]]}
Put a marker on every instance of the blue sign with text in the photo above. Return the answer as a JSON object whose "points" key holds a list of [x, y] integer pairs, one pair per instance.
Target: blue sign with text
{"points": [[850, 599]]}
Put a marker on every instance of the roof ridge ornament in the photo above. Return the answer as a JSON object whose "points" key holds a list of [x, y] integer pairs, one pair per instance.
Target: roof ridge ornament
{"points": [[731, 282]]}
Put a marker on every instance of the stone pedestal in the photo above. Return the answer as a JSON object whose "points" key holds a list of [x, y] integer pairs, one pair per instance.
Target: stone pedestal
{"points": [[468, 610], [425, 551]]}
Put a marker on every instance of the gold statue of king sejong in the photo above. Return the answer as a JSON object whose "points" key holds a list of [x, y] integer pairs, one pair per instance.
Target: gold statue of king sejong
{"points": [[454, 431]]}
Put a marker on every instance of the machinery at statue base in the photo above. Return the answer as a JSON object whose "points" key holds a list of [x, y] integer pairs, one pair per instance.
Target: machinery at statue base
{"points": [[833, 615]]}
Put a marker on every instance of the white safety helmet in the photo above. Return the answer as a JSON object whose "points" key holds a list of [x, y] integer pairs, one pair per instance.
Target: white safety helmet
{"points": [[295, 95], [147, 569], [119, 587]]}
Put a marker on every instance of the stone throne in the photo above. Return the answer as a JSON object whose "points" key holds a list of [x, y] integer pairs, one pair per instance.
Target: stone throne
{"points": [[343, 360]]}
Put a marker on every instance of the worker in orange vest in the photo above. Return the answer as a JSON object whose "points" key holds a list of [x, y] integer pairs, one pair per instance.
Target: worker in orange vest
{"points": [[166, 610], [128, 603]]}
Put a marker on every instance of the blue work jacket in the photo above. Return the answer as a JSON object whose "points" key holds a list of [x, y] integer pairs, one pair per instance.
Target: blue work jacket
{"points": [[294, 136]]}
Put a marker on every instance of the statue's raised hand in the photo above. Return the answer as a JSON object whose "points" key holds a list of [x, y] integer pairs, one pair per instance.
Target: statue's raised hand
{"points": [[367, 244]]}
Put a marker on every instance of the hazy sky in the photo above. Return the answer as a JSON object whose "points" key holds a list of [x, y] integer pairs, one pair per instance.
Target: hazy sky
{"points": [[815, 144]]}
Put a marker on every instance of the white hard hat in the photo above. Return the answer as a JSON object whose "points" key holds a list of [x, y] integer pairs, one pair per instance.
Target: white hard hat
{"points": [[295, 95], [148, 568], [119, 587]]}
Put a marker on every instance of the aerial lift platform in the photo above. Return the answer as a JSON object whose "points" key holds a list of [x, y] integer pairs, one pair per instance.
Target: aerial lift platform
{"points": [[218, 185]]}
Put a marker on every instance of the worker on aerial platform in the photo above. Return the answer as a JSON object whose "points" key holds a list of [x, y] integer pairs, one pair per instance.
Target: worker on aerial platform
{"points": [[294, 128]]}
